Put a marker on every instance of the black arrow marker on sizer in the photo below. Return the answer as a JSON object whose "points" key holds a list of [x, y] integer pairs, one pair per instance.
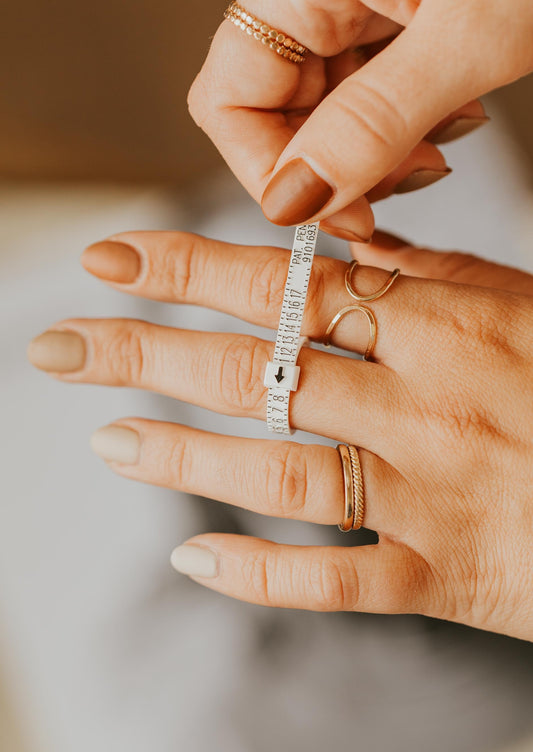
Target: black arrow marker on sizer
{"points": [[279, 376]]}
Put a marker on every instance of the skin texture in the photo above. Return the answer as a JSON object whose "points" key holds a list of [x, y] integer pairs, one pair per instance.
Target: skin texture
{"points": [[383, 80], [444, 419]]}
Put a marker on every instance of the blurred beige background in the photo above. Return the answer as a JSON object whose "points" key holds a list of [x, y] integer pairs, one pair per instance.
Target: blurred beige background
{"points": [[97, 92]]}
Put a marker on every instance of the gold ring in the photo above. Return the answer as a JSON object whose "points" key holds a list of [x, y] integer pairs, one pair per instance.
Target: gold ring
{"points": [[354, 494], [367, 298], [280, 43], [371, 323]]}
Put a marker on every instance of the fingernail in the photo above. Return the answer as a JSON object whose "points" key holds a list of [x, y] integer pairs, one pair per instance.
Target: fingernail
{"points": [[197, 561], [60, 352], [420, 179], [112, 261], [116, 444], [387, 241], [343, 233], [295, 194], [457, 128]]}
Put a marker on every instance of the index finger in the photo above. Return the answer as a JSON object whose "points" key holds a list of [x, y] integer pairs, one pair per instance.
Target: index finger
{"points": [[244, 88]]}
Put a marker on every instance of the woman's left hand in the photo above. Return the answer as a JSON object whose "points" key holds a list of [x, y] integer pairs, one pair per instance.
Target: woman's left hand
{"points": [[444, 420]]}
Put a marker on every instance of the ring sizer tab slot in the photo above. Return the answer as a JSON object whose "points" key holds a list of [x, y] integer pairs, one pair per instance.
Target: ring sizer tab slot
{"points": [[282, 376]]}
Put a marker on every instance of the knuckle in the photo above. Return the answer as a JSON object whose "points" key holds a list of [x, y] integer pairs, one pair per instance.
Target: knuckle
{"points": [[327, 30], [266, 290], [259, 572], [268, 287], [180, 267], [314, 306], [460, 420], [374, 111], [126, 353], [446, 600], [286, 480], [456, 266], [481, 327], [241, 373], [333, 585], [465, 422], [197, 101], [321, 584], [176, 462]]}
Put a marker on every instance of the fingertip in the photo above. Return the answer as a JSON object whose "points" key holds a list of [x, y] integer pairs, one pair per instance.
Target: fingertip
{"points": [[195, 560], [112, 261], [382, 250], [387, 241], [354, 223]]}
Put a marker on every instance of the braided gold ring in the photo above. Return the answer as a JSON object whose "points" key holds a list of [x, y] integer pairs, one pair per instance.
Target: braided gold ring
{"points": [[354, 492]]}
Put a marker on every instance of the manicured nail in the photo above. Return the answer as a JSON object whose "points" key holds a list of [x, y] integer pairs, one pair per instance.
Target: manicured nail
{"points": [[420, 179], [295, 194], [389, 242], [196, 561], [117, 444], [112, 261], [343, 233], [60, 352], [457, 128]]}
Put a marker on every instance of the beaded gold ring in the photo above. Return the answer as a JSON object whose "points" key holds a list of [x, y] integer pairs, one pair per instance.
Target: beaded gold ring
{"points": [[280, 43]]}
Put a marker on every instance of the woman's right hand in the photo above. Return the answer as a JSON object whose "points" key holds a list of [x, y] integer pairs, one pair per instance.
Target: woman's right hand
{"points": [[310, 141]]}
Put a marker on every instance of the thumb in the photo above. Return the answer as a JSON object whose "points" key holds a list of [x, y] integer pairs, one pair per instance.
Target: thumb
{"points": [[367, 125]]}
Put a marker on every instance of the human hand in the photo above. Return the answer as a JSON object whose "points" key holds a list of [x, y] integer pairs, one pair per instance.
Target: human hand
{"points": [[444, 419], [360, 127]]}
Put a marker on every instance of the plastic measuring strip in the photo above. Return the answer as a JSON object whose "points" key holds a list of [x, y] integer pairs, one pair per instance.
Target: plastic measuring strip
{"points": [[282, 373]]}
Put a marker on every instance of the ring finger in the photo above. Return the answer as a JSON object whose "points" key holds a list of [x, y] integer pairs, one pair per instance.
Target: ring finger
{"points": [[275, 478]]}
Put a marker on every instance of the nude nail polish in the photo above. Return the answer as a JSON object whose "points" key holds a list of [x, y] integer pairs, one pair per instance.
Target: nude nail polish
{"points": [[457, 128], [420, 179], [196, 561], [112, 261], [57, 351], [117, 444], [295, 194]]}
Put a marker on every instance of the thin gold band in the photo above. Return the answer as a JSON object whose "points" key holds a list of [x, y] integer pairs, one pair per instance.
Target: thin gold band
{"points": [[354, 493], [371, 323], [280, 43], [375, 295]]}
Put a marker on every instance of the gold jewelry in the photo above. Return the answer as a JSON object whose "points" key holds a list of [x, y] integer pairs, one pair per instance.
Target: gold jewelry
{"points": [[354, 494], [372, 323], [283, 45], [367, 298]]}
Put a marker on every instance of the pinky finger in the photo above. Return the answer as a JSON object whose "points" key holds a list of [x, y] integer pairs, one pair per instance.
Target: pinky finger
{"points": [[384, 578], [388, 252]]}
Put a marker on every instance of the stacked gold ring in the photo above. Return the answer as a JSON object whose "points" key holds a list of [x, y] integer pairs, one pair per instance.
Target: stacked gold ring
{"points": [[354, 492], [371, 319], [277, 41]]}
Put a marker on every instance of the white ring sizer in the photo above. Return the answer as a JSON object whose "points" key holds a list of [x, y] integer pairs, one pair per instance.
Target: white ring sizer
{"points": [[282, 373]]}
